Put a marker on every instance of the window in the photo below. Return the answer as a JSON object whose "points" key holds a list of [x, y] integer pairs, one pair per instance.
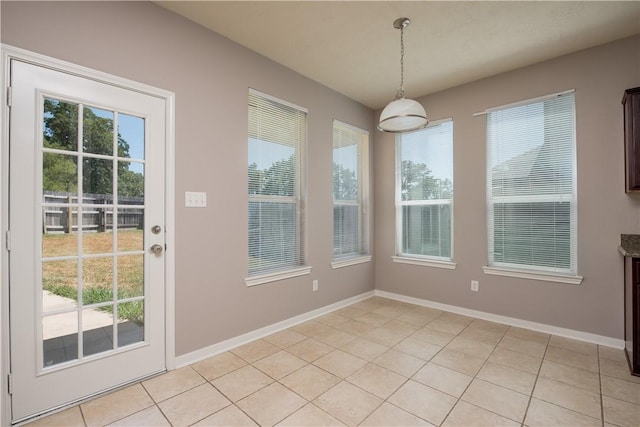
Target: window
{"points": [[350, 191], [424, 193], [277, 134], [531, 186]]}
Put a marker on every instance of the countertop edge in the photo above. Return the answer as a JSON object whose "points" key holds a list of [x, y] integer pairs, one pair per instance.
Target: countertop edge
{"points": [[628, 254]]}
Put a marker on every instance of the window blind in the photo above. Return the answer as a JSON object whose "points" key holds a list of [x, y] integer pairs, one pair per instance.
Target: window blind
{"points": [[349, 188], [531, 186], [277, 134], [424, 192]]}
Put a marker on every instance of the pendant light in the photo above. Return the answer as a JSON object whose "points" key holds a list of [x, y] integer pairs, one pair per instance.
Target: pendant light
{"points": [[402, 114]]}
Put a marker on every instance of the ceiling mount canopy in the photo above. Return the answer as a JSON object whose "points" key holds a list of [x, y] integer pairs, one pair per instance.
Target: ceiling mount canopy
{"points": [[402, 114]]}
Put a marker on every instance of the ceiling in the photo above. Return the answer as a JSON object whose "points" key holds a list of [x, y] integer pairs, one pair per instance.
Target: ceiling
{"points": [[352, 47]]}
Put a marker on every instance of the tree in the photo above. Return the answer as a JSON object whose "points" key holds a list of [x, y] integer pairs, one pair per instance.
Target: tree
{"points": [[130, 183], [59, 173], [255, 179], [345, 183], [278, 180], [61, 133], [418, 184]]}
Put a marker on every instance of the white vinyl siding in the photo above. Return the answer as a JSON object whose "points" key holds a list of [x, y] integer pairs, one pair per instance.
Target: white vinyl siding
{"points": [[277, 136], [424, 193], [531, 186], [350, 191]]}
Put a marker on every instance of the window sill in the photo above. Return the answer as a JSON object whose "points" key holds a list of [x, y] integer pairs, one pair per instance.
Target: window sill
{"points": [[449, 265], [279, 275], [546, 277], [350, 261]]}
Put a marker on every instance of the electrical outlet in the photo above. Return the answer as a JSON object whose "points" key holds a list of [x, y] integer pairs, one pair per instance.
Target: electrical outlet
{"points": [[474, 285], [315, 285]]}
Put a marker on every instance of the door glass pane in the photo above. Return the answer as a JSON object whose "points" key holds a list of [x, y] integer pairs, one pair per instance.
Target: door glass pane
{"points": [[59, 338], [53, 303], [97, 333], [130, 276], [55, 241], [97, 280], [59, 177], [131, 183], [60, 127], [131, 326], [97, 177], [94, 239], [130, 230], [97, 131], [131, 136], [59, 284]]}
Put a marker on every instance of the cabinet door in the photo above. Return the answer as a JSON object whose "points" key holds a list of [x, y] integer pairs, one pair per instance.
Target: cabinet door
{"points": [[634, 356], [631, 103], [629, 284]]}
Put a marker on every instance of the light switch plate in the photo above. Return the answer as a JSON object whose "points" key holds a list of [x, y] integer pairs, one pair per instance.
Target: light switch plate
{"points": [[195, 199]]}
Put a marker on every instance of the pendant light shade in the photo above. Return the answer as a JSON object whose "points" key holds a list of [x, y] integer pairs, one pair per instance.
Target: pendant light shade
{"points": [[402, 114]]}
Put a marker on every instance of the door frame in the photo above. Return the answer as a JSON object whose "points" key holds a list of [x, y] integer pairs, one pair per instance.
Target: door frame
{"points": [[8, 53]]}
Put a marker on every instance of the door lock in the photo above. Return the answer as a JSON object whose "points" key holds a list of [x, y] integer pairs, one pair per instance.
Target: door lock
{"points": [[156, 249], [156, 229]]}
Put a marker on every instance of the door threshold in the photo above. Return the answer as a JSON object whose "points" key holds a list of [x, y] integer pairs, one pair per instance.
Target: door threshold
{"points": [[78, 402]]}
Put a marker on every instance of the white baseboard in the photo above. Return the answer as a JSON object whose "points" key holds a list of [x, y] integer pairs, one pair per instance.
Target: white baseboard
{"points": [[221, 347], [511, 321]]}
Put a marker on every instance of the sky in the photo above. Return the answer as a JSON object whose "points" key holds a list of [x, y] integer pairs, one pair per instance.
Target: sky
{"points": [[265, 154]]}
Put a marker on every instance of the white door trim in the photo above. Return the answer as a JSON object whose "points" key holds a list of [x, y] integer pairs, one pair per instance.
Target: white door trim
{"points": [[8, 53]]}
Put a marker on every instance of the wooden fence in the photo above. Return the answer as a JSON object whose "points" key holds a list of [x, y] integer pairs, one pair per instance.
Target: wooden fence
{"points": [[60, 212]]}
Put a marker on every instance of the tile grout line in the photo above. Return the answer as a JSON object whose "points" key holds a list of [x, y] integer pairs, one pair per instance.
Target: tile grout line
{"points": [[355, 385], [535, 382], [600, 387], [407, 379], [475, 376], [459, 398], [84, 420]]}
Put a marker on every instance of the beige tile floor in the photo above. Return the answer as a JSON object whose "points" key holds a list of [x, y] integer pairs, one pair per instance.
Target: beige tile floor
{"points": [[384, 363]]}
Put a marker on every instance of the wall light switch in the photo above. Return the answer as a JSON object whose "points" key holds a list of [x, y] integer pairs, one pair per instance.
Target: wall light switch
{"points": [[195, 199]]}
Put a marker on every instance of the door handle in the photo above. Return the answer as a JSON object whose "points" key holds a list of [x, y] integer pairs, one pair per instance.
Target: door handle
{"points": [[156, 249]]}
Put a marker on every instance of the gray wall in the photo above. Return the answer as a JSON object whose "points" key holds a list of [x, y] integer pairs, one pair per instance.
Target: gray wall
{"points": [[210, 76], [599, 76]]}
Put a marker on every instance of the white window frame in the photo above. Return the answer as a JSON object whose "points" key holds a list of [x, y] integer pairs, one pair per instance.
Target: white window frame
{"points": [[416, 259], [298, 198], [544, 273], [362, 202]]}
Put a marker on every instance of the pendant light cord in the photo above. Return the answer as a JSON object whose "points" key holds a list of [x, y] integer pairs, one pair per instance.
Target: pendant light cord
{"points": [[400, 93]]}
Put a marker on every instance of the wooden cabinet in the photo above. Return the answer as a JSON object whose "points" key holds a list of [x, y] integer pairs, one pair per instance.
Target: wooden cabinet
{"points": [[631, 106], [632, 313]]}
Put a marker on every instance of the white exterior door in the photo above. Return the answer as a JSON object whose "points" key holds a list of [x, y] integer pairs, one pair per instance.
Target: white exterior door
{"points": [[87, 237]]}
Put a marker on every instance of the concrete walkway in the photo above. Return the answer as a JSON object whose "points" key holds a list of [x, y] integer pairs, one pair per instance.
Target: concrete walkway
{"points": [[66, 324]]}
